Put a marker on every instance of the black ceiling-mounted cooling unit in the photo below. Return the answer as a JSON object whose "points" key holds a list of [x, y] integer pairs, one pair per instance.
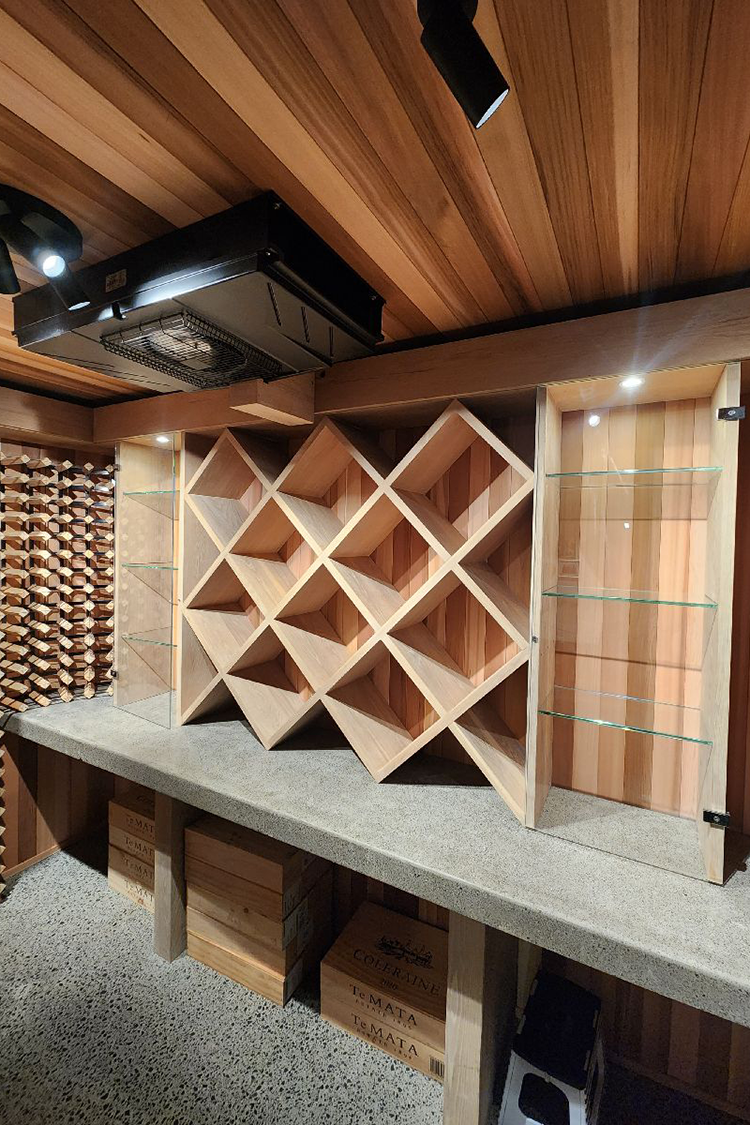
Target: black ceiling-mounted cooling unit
{"points": [[249, 293]]}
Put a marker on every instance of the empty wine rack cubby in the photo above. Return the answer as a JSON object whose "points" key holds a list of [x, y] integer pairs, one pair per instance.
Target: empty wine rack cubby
{"points": [[393, 596]]}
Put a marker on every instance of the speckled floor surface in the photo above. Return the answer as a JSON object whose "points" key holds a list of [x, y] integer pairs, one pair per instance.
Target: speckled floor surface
{"points": [[96, 1030]]}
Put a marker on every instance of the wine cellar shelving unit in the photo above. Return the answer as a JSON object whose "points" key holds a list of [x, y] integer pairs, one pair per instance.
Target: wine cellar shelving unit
{"points": [[146, 579], [393, 597], [633, 572], [57, 600]]}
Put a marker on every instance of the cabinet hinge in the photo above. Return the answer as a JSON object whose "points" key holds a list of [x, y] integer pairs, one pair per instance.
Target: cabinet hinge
{"points": [[731, 413], [718, 819], [113, 674]]}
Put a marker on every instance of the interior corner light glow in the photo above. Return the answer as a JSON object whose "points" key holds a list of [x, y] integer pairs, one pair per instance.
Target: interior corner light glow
{"points": [[53, 265], [594, 419], [630, 382], [461, 57], [162, 438]]}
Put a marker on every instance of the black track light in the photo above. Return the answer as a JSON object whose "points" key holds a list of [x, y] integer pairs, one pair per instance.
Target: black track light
{"points": [[456, 49], [44, 237], [8, 280]]}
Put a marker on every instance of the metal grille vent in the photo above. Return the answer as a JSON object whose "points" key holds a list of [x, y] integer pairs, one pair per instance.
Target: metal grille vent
{"points": [[192, 349]]}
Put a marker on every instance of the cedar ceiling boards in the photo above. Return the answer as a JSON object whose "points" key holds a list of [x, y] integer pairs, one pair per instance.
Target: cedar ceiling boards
{"points": [[618, 164]]}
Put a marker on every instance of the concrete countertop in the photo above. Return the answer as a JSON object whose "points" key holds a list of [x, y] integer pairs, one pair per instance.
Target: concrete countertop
{"points": [[455, 845]]}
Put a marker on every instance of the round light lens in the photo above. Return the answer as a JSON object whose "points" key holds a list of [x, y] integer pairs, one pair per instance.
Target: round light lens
{"points": [[632, 381], [594, 419], [53, 265], [162, 438]]}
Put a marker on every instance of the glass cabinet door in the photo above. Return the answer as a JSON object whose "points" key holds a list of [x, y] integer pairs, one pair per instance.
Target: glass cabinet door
{"points": [[146, 568]]}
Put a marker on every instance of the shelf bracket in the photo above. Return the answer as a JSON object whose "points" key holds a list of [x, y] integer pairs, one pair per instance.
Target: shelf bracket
{"points": [[717, 819]]}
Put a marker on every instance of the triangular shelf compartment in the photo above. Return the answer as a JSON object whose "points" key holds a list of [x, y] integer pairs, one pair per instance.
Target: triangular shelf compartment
{"points": [[269, 556], [455, 478], [382, 561], [222, 615], [328, 480], [225, 489], [271, 691], [493, 734], [322, 628], [381, 712]]}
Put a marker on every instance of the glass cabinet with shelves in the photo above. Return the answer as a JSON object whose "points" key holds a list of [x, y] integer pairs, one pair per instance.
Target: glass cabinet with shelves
{"points": [[631, 615], [146, 577]]}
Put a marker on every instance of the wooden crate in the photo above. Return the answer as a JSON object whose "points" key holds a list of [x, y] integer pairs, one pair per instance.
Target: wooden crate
{"points": [[256, 873], [252, 974], [385, 980], [131, 846], [133, 813], [273, 972], [131, 876], [248, 934]]}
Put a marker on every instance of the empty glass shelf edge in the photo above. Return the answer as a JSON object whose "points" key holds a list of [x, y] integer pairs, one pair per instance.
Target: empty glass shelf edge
{"points": [[149, 566], [627, 713], [650, 478], [573, 589], [162, 637]]}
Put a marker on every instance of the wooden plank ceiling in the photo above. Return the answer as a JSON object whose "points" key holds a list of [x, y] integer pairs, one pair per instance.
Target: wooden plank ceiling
{"points": [[618, 164]]}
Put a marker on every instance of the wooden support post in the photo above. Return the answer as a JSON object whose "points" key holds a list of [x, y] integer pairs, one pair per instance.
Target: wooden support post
{"points": [[480, 1016], [170, 934]]}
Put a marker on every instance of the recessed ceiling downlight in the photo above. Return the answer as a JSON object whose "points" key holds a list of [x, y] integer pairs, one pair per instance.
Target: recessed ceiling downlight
{"points": [[630, 382]]}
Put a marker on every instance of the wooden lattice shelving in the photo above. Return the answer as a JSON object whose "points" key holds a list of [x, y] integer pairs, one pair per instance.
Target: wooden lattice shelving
{"points": [[395, 597], [57, 594]]}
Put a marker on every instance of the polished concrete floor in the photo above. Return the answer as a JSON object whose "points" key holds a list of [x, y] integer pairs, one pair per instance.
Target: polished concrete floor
{"points": [[96, 1030]]}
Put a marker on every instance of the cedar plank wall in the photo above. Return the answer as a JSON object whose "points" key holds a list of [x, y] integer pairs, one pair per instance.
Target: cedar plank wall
{"points": [[50, 801]]}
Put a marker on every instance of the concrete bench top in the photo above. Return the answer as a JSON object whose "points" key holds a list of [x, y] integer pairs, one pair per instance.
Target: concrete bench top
{"points": [[456, 845]]}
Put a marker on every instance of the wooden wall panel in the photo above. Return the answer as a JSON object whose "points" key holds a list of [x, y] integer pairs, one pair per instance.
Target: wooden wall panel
{"points": [[50, 801]]}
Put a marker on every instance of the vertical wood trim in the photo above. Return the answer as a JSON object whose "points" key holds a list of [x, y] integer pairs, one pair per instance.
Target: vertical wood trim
{"points": [[480, 1015], [543, 610], [170, 930], [719, 585]]}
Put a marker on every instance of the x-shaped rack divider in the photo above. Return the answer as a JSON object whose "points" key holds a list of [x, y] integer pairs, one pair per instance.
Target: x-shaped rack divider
{"points": [[296, 611]]}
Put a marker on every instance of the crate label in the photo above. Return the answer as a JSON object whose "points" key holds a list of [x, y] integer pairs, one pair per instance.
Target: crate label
{"points": [[139, 824]]}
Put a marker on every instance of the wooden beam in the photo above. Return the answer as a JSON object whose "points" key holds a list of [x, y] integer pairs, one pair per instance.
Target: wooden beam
{"points": [[41, 420], [480, 1017], [200, 410], [700, 330], [170, 930], [289, 402]]}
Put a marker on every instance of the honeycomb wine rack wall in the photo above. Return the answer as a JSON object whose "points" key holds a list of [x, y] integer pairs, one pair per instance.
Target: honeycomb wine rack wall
{"points": [[382, 594]]}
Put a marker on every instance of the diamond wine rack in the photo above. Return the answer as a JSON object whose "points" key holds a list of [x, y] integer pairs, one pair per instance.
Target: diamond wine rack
{"points": [[395, 597]]}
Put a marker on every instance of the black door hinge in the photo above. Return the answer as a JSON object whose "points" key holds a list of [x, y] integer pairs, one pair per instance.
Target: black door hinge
{"points": [[113, 674], [731, 413], [718, 819]]}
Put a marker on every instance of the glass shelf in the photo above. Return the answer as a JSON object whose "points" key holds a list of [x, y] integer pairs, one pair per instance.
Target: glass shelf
{"points": [[150, 492], [570, 588], [638, 478], [162, 637], [604, 495], [627, 713], [160, 500], [148, 566]]}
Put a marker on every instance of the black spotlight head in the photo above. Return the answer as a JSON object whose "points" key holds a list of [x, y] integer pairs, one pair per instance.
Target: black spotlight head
{"points": [[8, 280], [456, 49], [46, 238]]}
